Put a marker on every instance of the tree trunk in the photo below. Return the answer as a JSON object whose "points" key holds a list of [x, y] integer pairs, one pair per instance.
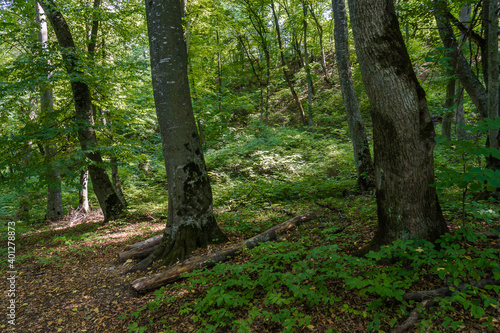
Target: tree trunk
{"points": [[323, 57], [492, 80], [190, 223], [361, 148], [285, 68], [108, 199], [52, 175], [460, 131], [449, 103], [407, 205], [458, 62], [83, 197], [308, 69], [117, 184], [219, 71]]}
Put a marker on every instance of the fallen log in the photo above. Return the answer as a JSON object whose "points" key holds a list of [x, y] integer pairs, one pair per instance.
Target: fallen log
{"points": [[175, 272], [140, 250], [426, 297], [155, 240]]}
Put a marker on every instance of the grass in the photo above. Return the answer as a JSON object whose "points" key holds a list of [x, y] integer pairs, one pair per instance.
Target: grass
{"points": [[308, 280]]}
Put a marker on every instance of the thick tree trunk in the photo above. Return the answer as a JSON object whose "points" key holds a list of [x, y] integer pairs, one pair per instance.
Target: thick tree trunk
{"points": [[108, 200], [407, 205], [285, 68], [52, 175], [191, 223], [361, 148]]}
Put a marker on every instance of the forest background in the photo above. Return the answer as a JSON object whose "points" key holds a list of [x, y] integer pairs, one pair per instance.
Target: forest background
{"points": [[272, 120]]}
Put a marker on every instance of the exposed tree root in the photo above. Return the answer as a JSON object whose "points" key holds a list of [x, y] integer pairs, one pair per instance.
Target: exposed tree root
{"points": [[175, 272]]}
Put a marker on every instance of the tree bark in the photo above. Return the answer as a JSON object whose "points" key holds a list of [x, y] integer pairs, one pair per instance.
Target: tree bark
{"points": [[83, 197], [108, 200], [407, 205], [492, 80], [52, 175], [190, 222], [361, 148], [308, 69], [449, 103], [175, 273]]}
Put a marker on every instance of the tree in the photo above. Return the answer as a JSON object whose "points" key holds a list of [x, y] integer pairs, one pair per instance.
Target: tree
{"points": [[362, 155], [191, 223], [308, 68], [407, 204], [53, 175], [109, 201], [285, 67]]}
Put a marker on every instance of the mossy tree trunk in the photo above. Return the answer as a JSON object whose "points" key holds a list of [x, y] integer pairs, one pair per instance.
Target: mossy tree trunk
{"points": [[407, 204], [190, 223]]}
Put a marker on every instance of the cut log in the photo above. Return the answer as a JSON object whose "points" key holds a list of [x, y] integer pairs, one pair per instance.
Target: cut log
{"points": [[175, 272], [140, 250]]}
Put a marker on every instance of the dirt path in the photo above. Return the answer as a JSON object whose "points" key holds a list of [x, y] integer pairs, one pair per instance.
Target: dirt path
{"points": [[76, 287]]}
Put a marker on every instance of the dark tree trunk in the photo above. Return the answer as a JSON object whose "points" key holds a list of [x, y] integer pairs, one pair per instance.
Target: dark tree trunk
{"points": [[361, 148], [407, 204], [191, 223], [108, 199]]}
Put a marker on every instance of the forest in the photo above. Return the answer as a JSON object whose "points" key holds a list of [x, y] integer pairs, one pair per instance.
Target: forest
{"points": [[250, 165]]}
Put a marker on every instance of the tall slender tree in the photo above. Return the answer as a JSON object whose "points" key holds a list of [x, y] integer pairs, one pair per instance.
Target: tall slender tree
{"points": [[52, 175], [407, 204], [285, 67], [191, 223], [109, 201], [361, 148]]}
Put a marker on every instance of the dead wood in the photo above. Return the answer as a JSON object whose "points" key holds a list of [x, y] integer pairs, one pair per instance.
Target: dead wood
{"points": [[141, 249], [413, 317], [426, 297], [175, 272], [422, 295], [155, 240]]}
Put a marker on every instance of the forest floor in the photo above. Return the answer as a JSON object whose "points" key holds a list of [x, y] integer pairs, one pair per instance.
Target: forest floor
{"points": [[69, 281]]}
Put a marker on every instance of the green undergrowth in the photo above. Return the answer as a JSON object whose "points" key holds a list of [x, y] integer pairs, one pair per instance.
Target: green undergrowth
{"points": [[282, 285]]}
